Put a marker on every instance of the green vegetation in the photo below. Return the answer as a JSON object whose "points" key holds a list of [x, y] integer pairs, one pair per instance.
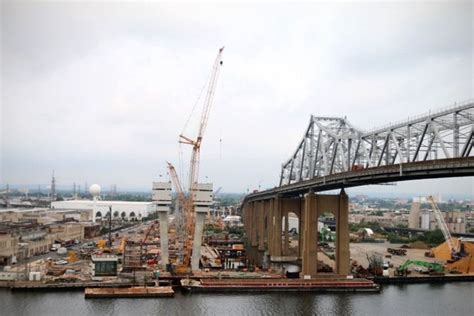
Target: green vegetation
{"points": [[236, 230], [432, 238], [104, 230], [228, 199], [212, 229], [134, 197], [376, 213], [395, 239]]}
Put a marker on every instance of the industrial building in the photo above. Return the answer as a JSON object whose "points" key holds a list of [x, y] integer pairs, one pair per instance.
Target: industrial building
{"points": [[425, 219], [120, 209], [26, 239]]}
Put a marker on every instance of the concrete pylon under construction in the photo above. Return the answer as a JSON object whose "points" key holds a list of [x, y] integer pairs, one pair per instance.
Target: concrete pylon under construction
{"points": [[162, 199], [163, 216], [197, 242], [202, 199], [414, 217]]}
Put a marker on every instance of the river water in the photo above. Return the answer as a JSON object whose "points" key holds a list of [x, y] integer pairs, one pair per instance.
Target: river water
{"points": [[416, 299]]}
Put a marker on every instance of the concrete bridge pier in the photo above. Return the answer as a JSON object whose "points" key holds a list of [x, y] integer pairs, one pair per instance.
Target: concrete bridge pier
{"points": [[196, 255], [254, 225], [310, 236], [275, 247], [163, 216], [316, 205], [261, 225]]}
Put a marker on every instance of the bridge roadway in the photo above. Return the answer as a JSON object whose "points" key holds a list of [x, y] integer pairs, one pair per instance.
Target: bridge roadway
{"points": [[451, 167]]}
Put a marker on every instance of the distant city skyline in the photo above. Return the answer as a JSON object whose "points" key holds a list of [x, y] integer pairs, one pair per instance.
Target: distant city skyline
{"points": [[99, 92]]}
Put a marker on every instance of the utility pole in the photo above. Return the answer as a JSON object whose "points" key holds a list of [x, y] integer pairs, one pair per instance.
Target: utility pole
{"points": [[6, 195], [110, 226], [53, 188]]}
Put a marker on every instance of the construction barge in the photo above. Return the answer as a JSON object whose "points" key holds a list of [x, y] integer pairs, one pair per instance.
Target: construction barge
{"points": [[130, 292], [279, 285]]}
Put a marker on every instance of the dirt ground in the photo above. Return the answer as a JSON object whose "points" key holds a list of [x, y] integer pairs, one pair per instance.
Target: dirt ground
{"points": [[359, 253]]}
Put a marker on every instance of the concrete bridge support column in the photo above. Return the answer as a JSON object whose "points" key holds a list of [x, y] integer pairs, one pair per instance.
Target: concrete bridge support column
{"points": [[261, 225], [277, 206], [301, 226], [196, 256], [163, 216], [254, 225], [310, 236], [342, 235], [270, 227], [314, 206]]}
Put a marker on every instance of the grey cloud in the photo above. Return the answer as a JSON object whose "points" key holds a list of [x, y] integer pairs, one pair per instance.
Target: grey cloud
{"points": [[89, 89]]}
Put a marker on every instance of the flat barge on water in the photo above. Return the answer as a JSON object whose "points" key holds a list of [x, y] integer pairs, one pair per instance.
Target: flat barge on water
{"points": [[279, 285], [130, 292]]}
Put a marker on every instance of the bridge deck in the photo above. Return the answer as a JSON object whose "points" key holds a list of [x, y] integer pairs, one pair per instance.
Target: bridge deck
{"points": [[443, 168]]}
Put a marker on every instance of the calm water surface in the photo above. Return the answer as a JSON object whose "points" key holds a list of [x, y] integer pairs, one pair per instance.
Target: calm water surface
{"points": [[418, 299]]}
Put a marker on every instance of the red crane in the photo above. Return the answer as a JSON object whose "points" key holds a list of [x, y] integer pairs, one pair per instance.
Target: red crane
{"points": [[196, 144], [194, 163]]}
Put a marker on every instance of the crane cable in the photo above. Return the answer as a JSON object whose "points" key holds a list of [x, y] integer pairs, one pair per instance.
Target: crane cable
{"points": [[193, 111]]}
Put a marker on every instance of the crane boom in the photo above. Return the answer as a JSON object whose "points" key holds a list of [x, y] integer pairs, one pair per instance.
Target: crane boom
{"points": [[175, 180], [148, 232], [181, 206], [194, 167], [188, 203], [442, 225]]}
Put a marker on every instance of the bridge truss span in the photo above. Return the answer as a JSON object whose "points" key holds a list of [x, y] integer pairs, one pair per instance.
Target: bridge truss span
{"points": [[332, 145]]}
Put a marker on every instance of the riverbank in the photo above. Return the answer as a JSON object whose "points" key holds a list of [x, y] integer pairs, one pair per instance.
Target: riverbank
{"points": [[415, 299], [175, 282]]}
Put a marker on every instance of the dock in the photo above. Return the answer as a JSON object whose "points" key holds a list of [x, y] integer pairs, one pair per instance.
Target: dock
{"points": [[130, 292]]}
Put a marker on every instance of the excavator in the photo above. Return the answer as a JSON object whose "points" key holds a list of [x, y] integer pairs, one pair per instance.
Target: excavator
{"points": [[430, 266]]}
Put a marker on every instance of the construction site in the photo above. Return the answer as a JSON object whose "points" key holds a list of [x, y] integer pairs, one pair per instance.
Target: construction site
{"points": [[153, 259], [195, 250]]}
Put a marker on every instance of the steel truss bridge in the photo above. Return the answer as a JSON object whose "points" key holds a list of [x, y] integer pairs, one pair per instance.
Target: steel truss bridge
{"points": [[335, 154]]}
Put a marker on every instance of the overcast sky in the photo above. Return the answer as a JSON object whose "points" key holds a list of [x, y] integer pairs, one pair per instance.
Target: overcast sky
{"points": [[100, 91]]}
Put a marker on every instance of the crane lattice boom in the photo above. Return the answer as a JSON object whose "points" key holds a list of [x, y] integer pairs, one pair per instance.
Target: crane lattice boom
{"points": [[442, 224], [194, 167]]}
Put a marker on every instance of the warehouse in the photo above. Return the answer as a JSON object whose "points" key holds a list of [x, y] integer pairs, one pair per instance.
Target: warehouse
{"points": [[120, 209]]}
